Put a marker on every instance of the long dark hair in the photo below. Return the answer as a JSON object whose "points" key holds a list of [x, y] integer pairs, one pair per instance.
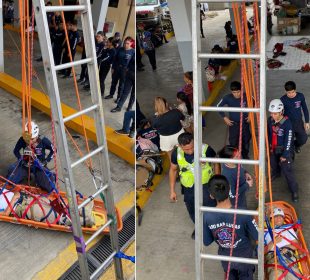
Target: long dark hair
{"points": [[183, 97]]}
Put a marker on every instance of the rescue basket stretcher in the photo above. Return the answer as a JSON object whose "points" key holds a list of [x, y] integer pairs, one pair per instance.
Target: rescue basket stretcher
{"points": [[301, 252], [98, 213]]}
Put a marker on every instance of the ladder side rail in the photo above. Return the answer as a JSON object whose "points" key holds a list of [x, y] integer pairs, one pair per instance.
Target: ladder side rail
{"points": [[262, 150], [225, 1], [230, 160], [229, 211], [229, 109], [73, 63], [229, 259], [53, 90], [228, 56], [66, 8], [88, 33], [197, 100]]}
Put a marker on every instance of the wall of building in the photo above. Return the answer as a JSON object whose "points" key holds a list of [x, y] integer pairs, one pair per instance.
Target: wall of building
{"points": [[119, 16]]}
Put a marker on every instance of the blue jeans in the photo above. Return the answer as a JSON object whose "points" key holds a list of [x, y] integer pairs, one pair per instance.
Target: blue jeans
{"points": [[129, 121], [129, 88]]}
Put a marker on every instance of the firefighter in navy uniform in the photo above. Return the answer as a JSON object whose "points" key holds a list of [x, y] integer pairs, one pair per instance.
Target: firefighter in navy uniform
{"points": [[233, 121], [280, 136], [294, 104], [182, 159], [26, 161]]}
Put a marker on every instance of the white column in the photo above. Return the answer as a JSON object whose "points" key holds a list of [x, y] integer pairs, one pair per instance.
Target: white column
{"points": [[180, 11], [99, 13], [1, 40]]}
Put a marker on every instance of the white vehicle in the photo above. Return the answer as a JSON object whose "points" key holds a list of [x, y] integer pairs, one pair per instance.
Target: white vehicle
{"points": [[151, 12]]}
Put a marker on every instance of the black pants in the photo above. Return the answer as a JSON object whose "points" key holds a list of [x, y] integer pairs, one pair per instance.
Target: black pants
{"points": [[138, 56], [300, 134], [189, 200], [234, 132], [201, 28], [57, 51], [286, 167], [152, 58], [129, 87], [118, 76], [103, 73], [66, 59]]}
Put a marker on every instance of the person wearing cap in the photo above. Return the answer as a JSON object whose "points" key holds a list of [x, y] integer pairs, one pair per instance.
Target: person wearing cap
{"points": [[284, 238], [294, 105], [280, 136], [33, 149], [218, 227]]}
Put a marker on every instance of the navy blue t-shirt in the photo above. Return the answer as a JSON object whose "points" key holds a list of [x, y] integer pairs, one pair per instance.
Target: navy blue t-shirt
{"points": [[284, 133], [40, 150], [122, 58], [230, 101], [293, 107], [232, 174], [218, 227], [189, 193]]}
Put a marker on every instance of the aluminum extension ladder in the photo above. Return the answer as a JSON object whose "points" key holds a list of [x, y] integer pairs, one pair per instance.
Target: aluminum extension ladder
{"points": [[198, 109], [105, 186]]}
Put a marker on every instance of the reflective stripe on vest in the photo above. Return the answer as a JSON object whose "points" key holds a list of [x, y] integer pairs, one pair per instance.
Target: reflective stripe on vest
{"points": [[187, 169]]}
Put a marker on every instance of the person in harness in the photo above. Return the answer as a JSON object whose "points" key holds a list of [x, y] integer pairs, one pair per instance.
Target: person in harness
{"points": [[33, 159], [182, 161], [280, 136], [286, 241]]}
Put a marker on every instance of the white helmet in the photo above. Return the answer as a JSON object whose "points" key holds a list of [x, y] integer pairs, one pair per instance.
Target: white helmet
{"points": [[278, 212], [34, 129], [276, 106]]}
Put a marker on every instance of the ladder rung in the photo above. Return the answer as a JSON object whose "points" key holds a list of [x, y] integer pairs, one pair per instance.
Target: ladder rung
{"points": [[101, 229], [102, 266], [228, 109], [73, 116], [229, 211], [98, 150], [229, 259], [90, 198], [225, 1], [229, 160], [73, 63], [228, 56], [67, 8]]}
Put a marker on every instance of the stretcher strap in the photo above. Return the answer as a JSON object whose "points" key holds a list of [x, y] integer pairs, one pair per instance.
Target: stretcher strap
{"points": [[82, 248], [286, 271], [121, 255], [278, 253]]}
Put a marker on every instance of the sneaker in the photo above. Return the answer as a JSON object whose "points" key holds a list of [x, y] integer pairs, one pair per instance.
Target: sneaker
{"points": [[108, 96], [86, 87], [297, 150], [193, 235], [81, 81], [116, 109], [121, 131], [131, 134], [295, 196]]}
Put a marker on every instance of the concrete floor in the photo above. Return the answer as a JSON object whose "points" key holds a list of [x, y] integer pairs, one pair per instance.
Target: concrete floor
{"points": [[18, 243], [164, 247]]}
